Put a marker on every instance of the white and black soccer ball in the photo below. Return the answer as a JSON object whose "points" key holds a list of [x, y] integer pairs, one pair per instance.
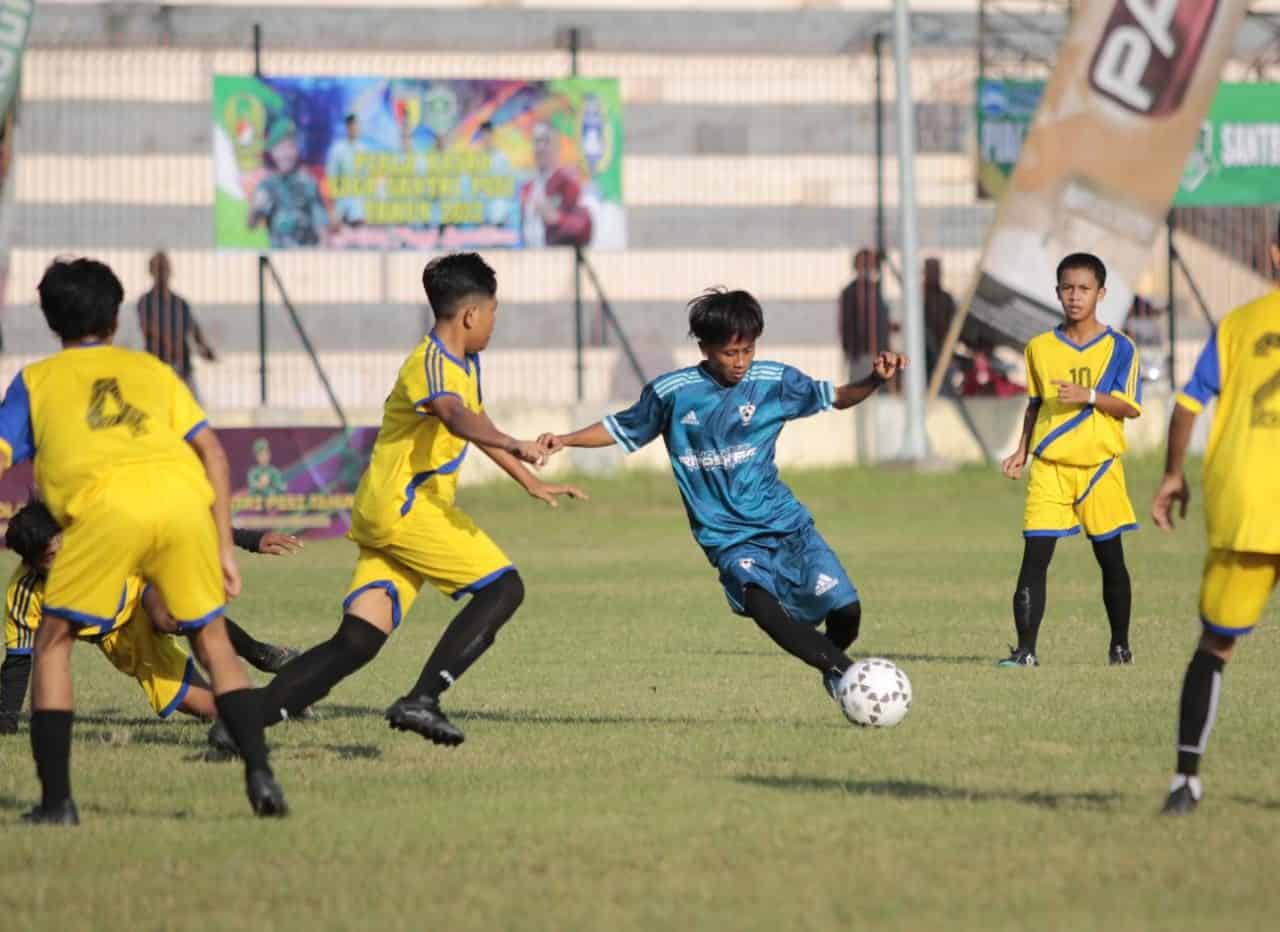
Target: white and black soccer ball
{"points": [[875, 693]]}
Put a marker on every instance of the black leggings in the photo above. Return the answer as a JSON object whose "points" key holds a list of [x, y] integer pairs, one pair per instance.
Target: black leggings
{"points": [[1029, 595]]}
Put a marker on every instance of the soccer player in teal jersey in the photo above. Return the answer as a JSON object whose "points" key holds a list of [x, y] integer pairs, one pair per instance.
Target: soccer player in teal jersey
{"points": [[720, 421]]}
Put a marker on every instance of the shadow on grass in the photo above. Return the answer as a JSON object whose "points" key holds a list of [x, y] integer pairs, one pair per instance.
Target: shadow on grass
{"points": [[135, 733], [14, 804], [1271, 805], [936, 658], [355, 751], [912, 789]]}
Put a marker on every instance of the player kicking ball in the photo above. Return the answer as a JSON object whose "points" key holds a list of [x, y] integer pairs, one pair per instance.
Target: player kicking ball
{"points": [[409, 531], [128, 466], [720, 421], [1083, 382], [1240, 366], [137, 645]]}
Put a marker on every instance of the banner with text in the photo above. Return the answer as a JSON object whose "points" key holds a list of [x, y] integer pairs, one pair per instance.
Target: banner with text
{"points": [[284, 479], [396, 163], [1236, 161], [1104, 155]]}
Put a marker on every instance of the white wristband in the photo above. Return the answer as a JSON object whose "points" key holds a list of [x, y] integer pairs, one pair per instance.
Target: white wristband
{"points": [[1093, 396]]}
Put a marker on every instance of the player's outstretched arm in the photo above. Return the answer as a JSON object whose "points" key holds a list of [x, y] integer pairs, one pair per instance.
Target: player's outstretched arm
{"points": [[885, 367], [597, 435], [276, 543], [477, 428], [1173, 487], [214, 458], [543, 491]]}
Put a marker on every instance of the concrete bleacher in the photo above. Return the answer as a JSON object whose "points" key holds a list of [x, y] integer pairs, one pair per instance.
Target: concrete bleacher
{"points": [[748, 162]]}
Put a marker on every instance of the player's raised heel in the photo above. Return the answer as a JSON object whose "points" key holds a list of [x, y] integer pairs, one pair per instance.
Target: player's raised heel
{"points": [[272, 658], [423, 716], [64, 813], [265, 795]]}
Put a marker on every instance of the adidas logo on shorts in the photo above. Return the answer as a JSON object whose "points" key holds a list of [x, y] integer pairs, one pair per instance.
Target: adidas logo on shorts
{"points": [[825, 584], [689, 418]]}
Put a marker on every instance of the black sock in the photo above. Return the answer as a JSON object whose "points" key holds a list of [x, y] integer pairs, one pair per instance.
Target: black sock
{"points": [[470, 634], [1199, 707], [244, 644], [804, 642], [308, 678], [1117, 594], [241, 711], [51, 747], [15, 673], [1030, 594], [843, 625]]}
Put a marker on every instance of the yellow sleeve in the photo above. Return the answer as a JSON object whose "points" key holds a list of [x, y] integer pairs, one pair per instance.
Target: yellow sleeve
{"points": [[1129, 384], [1035, 391]]}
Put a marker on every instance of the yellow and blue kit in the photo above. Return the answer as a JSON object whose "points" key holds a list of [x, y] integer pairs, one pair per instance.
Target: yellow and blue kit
{"points": [[110, 432], [1076, 478], [1240, 366], [132, 644], [404, 518]]}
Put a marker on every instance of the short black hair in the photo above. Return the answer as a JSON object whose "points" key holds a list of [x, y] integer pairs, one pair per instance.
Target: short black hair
{"points": [[450, 280], [30, 531], [80, 298], [349, 118], [718, 316], [1084, 260]]}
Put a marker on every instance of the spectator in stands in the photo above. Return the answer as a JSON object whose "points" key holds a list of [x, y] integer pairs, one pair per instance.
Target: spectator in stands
{"points": [[168, 326], [939, 311], [551, 208], [863, 315]]}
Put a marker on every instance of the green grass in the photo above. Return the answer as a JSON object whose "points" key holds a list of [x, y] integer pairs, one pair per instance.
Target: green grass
{"points": [[637, 757]]}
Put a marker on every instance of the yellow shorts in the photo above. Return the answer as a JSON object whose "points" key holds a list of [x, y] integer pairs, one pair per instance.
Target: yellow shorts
{"points": [[441, 546], [152, 525], [1234, 590], [156, 660], [1061, 499]]}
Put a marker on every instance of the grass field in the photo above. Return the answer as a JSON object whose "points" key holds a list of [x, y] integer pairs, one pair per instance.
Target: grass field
{"points": [[638, 758]]}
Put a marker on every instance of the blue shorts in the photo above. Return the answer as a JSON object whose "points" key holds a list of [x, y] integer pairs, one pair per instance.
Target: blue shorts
{"points": [[799, 570]]}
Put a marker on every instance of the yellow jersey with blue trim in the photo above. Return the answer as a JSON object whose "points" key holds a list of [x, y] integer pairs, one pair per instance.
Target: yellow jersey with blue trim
{"points": [[1071, 434], [24, 606], [1240, 366], [87, 412], [415, 459]]}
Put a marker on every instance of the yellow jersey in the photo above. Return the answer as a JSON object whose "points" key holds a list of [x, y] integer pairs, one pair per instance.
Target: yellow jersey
{"points": [[1241, 366], [24, 606], [88, 411], [1071, 434], [415, 460]]}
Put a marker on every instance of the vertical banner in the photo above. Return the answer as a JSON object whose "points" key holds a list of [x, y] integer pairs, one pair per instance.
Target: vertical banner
{"points": [[1104, 156], [402, 163]]}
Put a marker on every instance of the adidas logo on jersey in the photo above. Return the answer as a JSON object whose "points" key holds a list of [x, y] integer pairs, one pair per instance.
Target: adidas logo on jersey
{"points": [[825, 584], [690, 418], [746, 412], [747, 563]]}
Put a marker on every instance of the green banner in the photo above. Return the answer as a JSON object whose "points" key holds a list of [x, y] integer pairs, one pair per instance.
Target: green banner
{"points": [[1236, 161], [14, 26]]}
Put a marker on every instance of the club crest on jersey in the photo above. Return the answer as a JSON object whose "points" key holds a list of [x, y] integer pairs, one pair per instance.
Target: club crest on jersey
{"points": [[746, 412]]}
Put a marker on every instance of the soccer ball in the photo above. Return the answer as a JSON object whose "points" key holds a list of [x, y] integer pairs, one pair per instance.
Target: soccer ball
{"points": [[874, 692]]}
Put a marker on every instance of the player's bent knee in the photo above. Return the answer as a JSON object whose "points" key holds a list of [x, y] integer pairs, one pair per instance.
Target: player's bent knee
{"points": [[1220, 645], [375, 607], [359, 639], [199, 703], [508, 590]]}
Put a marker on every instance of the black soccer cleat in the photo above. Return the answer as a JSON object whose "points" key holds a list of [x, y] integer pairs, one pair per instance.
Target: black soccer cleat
{"points": [[1019, 657], [272, 657], [265, 795], [64, 813], [1180, 802], [422, 715], [221, 741], [1119, 655]]}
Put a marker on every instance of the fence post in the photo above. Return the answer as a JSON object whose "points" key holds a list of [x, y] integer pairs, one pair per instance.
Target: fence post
{"points": [[575, 38], [1172, 312]]}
